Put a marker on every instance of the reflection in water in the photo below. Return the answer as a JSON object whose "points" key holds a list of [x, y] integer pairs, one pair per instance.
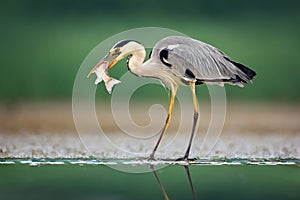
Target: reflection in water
{"points": [[159, 183], [187, 171]]}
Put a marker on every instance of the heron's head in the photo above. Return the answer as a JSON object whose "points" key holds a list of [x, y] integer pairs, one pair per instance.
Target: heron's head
{"points": [[124, 48]]}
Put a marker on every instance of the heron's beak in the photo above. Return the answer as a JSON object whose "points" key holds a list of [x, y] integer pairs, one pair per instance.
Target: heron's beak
{"points": [[113, 62], [116, 59]]}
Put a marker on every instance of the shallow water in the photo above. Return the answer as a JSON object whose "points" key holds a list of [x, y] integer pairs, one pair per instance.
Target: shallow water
{"points": [[92, 179], [146, 162], [120, 146]]}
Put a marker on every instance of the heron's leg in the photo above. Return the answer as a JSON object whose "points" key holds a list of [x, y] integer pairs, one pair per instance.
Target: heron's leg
{"points": [[159, 183], [196, 115], [168, 120]]}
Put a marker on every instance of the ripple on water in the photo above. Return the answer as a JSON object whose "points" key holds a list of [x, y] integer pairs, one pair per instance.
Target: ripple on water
{"points": [[215, 162]]}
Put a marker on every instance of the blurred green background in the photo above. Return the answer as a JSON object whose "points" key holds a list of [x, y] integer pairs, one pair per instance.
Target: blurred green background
{"points": [[44, 42]]}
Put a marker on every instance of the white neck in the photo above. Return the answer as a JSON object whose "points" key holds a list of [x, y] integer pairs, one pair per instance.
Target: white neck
{"points": [[137, 59], [150, 69]]}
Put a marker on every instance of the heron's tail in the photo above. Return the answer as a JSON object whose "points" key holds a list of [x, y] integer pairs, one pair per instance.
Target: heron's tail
{"points": [[246, 70], [249, 72]]}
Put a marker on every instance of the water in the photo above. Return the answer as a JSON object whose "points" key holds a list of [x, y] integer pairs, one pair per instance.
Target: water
{"points": [[96, 179], [146, 162]]}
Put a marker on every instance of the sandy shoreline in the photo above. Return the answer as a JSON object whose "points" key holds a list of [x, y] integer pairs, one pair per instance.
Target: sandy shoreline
{"points": [[57, 117]]}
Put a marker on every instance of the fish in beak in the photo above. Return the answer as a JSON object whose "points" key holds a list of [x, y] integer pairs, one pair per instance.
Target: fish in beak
{"points": [[101, 71]]}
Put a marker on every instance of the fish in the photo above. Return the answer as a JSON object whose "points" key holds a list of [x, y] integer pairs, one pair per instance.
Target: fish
{"points": [[101, 71]]}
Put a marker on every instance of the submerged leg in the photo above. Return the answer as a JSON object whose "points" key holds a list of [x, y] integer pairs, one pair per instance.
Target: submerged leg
{"points": [[196, 115], [168, 120], [187, 170], [159, 183]]}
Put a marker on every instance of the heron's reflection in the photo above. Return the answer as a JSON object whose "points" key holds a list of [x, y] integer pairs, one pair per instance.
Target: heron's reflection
{"points": [[188, 174]]}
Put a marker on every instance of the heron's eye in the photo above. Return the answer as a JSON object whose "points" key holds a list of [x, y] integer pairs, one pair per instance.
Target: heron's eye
{"points": [[117, 51]]}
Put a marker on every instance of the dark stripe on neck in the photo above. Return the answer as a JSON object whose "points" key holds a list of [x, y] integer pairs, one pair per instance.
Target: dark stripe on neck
{"points": [[127, 62], [150, 53]]}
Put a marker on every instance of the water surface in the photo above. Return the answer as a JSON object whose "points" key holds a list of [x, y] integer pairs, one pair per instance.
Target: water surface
{"points": [[92, 179]]}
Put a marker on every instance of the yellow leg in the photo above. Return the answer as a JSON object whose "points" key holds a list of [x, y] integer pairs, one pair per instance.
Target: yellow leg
{"points": [[174, 90], [194, 97], [196, 115]]}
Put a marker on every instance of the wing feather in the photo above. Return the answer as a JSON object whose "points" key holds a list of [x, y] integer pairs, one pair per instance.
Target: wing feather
{"points": [[206, 62]]}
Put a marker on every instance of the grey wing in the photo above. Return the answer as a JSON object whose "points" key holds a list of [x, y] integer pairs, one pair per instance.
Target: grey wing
{"points": [[194, 60]]}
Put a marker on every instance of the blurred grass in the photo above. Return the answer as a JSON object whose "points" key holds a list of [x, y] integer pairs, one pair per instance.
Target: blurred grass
{"points": [[42, 51]]}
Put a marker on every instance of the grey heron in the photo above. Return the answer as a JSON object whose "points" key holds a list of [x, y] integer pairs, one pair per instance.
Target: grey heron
{"points": [[176, 61]]}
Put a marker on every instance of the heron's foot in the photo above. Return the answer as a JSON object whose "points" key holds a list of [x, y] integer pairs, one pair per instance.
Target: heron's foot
{"points": [[151, 158], [185, 159]]}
